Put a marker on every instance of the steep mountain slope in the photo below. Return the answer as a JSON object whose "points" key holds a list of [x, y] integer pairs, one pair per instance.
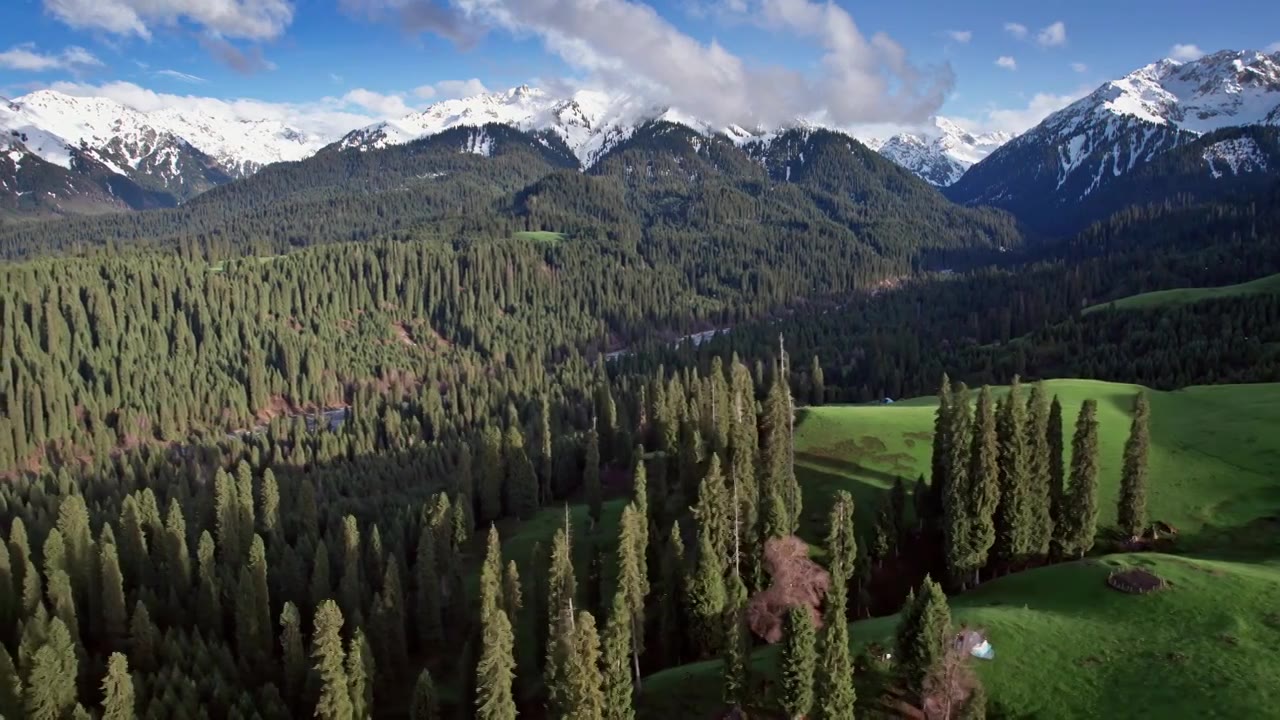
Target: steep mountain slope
{"points": [[941, 156], [1047, 175], [172, 155]]}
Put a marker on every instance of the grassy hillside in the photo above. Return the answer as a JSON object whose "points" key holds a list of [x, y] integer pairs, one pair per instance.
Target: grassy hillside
{"points": [[1068, 646], [1213, 452], [1184, 296]]}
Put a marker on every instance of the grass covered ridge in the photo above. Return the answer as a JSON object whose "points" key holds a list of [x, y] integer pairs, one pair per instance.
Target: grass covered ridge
{"points": [[1185, 296]]}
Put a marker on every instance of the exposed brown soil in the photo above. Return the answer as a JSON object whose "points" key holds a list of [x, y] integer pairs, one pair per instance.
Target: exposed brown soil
{"points": [[1136, 581]]}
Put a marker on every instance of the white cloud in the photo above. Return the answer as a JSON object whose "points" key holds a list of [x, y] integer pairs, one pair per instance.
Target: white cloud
{"points": [[26, 57], [1007, 62], [1185, 53], [1017, 120], [627, 46], [1273, 47], [181, 76], [329, 117], [392, 105], [1054, 35], [960, 36], [336, 78], [1079, 67], [446, 89], [244, 19], [1018, 30]]}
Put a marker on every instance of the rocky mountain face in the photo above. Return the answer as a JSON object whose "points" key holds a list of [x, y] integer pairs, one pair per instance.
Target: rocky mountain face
{"points": [[1086, 149]]}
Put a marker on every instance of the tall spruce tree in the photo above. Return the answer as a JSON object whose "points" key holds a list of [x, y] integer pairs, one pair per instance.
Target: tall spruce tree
{"points": [[1040, 495], [798, 663], [1132, 510], [923, 632], [1013, 521], [707, 597], [591, 476], [940, 459], [330, 664], [983, 491], [425, 704], [117, 690], [495, 670], [50, 692], [835, 692], [582, 696], [360, 675], [618, 688], [1057, 479], [956, 519], [714, 512], [1082, 496]]}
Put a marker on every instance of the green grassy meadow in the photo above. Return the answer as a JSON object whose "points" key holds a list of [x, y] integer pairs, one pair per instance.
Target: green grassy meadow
{"points": [[1185, 296], [1067, 645], [541, 236]]}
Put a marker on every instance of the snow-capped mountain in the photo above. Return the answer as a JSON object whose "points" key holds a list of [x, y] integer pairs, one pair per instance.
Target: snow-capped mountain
{"points": [[1085, 148], [589, 122], [941, 154], [169, 151]]}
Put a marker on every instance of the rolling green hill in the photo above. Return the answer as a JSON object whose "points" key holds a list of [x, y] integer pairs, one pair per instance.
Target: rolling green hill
{"points": [[1212, 451], [1068, 646], [1268, 285]]}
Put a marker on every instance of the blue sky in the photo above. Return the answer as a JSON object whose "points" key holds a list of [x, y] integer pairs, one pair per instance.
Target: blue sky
{"points": [[998, 64]]}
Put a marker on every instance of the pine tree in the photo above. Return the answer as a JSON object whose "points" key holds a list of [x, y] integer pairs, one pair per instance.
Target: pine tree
{"points": [[330, 660], [208, 597], [50, 692], [117, 690], [898, 507], [293, 655], [983, 490], [360, 673], [10, 686], [425, 704], [779, 480], [582, 697], [923, 631], [1132, 510], [1057, 480], [1015, 534], [707, 597], [521, 481], [835, 692], [798, 663], [253, 609], [144, 639], [115, 614], [591, 476], [957, 525], [633, 577], [489, 490], [883, 541], [735, 682], [1082, 496], [1040, 495], [670, 622], [616, 660], [940, 464], [426, 572], [269, 514], [349, 587], [842, 541], [495, 670], [714, 512]]}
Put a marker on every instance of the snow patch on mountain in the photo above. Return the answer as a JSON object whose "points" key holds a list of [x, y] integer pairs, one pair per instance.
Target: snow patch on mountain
{"points": [[941, 154], [1235, 156]]}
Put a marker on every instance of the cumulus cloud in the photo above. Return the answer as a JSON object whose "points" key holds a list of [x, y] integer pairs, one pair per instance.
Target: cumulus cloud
{"points": [[1079, 67], [27, 57], [448, 89], [1007, 62], [1054, 35], [181, 76], [1185, 53], [1018, 30], [627, 46], [329, 117], [244, 19], [960, 36], [379, 104]]}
